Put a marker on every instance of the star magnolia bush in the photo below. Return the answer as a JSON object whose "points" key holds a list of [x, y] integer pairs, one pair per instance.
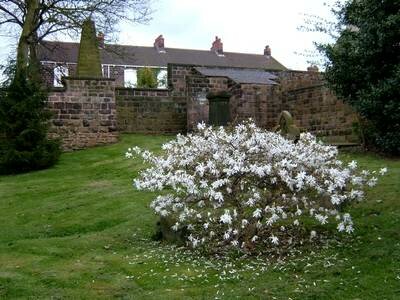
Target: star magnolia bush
{"points": [[248, 188]]}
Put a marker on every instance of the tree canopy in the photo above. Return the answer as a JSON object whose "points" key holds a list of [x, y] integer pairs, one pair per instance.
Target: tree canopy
{"points": [[363, 67], [34, 20]]}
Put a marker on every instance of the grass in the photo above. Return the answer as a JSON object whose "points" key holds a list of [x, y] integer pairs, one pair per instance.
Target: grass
{"points": [[79, 230]]}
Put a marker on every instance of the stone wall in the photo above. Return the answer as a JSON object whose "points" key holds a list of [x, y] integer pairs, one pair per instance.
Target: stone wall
{"points": [[89, 112], [252, 101], [150, 111], [314, 107], [84, 113], [289, 80], [317, 110], [304, 94], [198, 87]]}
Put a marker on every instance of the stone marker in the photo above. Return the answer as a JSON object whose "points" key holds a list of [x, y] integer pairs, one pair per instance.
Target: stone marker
{"points": [[89, 64], [286, 127]]}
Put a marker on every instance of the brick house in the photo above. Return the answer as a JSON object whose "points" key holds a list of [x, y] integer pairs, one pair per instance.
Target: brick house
{"points": [[121, 62]]}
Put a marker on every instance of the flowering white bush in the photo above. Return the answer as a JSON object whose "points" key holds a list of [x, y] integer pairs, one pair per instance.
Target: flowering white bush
{"points": [[248, 188]]}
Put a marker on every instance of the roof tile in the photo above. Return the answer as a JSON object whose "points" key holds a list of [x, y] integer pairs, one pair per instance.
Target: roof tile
{"points": [[148, 56]]}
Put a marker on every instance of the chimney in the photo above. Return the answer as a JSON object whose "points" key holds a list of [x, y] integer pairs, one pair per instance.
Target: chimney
{"points": [[217, 46], [159, 44], [313, 68], [267, 51], [100, 39]]}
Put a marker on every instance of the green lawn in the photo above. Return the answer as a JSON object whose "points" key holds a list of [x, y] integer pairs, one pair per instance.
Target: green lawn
{"points": [[80, 230]]}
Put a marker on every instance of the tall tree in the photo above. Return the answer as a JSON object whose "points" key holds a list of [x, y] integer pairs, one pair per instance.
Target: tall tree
{"points": [[35, 20], [363, 66]]}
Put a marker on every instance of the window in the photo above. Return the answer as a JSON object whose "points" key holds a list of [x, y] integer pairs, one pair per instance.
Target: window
{"points": [[201, 97], [162, 79], [130, 78], [59, 73]]}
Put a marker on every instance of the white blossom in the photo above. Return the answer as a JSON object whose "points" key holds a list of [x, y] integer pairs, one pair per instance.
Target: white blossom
{"points": [[226, 235], [274, 240], [322, 219], [383, 171], [175, 227], [257, 213], [226, 218], [353, 164], [251, 180], [254, 238]]}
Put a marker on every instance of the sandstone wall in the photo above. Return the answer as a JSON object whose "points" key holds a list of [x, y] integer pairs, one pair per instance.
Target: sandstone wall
{"points": [[84, 113], [252, 101], [88, 112], [198, 86], [150, 111], [316, 109]]}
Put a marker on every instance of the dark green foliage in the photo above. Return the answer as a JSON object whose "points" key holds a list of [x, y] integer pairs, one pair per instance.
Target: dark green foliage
{"points": [[364, 67], [146, 78], [89, 64], [24, 145]]}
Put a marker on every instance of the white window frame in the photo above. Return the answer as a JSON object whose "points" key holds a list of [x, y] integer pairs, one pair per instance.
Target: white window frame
{"points": [[163, 73], [59, 72], [130, 77]]}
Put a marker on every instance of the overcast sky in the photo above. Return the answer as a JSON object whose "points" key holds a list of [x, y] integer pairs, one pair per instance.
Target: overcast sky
{"points": [[244, 26]]}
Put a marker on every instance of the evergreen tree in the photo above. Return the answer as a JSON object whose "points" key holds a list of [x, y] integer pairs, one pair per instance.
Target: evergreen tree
{"points": [[24, 144], [363, 66], [146, 78]]}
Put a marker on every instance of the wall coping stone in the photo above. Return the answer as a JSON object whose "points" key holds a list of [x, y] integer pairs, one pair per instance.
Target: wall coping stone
{"points": [[307, 88], [88, 78], [142, 89], [58, 89]]}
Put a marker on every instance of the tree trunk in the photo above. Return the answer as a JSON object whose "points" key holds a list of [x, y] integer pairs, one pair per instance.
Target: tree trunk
{"points": [[28, 39]]}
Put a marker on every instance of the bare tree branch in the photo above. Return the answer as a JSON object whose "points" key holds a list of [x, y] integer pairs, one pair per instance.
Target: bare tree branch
{"points": [[53, 16]]}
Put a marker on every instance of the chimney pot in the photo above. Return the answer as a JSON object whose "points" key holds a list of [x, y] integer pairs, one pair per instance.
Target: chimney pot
{"points": [[100, 39], [159, 44], [312, 68], [218, 46], [267, 51]]}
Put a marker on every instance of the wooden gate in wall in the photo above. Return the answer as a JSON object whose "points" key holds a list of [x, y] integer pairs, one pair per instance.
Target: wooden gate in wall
{"points": [[219, 114]]}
